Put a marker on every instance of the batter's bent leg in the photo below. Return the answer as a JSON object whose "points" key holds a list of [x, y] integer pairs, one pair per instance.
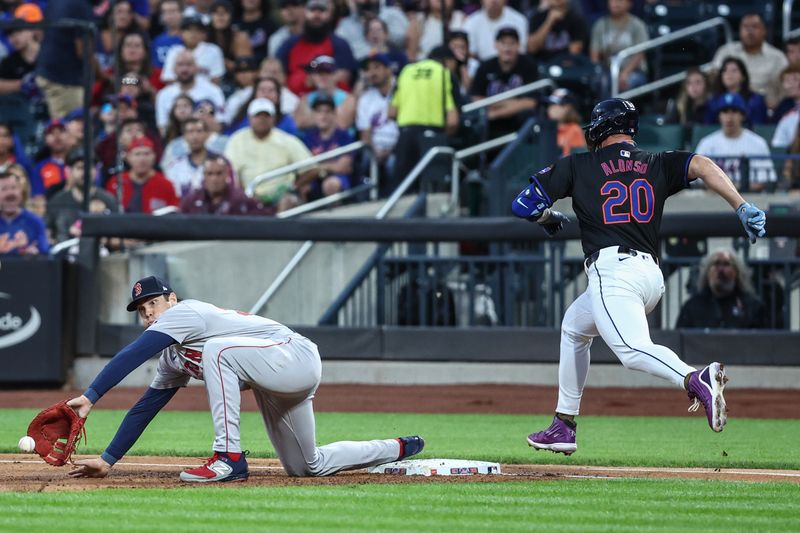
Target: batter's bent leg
{"points": [[577, 332], [291, 428], [620, 317]]}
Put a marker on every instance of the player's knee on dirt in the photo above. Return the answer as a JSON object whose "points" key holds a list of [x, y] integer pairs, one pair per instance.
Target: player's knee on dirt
{"points": [[303, 468]]}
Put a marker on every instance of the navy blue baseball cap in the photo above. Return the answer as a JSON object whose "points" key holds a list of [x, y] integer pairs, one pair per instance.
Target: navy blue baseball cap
{"points": [[146, 288]]}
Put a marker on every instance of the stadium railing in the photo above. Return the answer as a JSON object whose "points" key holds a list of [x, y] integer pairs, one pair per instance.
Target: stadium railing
{"points": [[391, 202], [357, 146], [788, 32], [526, 302], [618, 60]]}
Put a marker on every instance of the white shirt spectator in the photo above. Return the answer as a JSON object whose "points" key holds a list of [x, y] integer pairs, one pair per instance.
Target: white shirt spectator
{"points": [[786, 130], [727, 152], [482, 31], [371, 116], [431, 34], [276, 40], [202, 90], [240, 97], [208, 56]]}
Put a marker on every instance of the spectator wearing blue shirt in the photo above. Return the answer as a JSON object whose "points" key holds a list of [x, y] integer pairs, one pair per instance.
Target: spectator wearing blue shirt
{"points": [[334, 175], [21, 232], [171, 14]]}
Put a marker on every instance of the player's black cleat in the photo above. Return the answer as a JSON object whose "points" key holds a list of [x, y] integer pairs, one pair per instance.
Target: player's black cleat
{"points": [[410, 446]]}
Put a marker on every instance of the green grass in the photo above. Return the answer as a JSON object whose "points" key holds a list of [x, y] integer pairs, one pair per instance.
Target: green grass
{"points": [[636, 441], [576, 505]]}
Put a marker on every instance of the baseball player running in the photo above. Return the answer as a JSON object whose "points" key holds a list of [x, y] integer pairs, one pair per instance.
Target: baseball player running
{"points": [[618, 193], [231, 351]]}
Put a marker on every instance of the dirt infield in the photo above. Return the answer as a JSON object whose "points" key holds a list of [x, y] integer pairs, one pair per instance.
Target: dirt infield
{"points": [[26, 473], [29, 473], [500, 399]]}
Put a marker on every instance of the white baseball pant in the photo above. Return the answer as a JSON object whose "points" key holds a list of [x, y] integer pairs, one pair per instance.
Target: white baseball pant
{"points": [[622, 290], [284, 375]]}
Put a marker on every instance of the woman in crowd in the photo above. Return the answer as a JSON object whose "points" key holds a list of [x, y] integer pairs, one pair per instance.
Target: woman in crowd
{"points": [[734, 78], [233, 42], [691, 106], [119, 21], [181, 110], [273, 68], [425, 27]]}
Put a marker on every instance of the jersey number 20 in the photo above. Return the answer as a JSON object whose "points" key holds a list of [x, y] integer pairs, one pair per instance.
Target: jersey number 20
{"points": [[636, 200]]}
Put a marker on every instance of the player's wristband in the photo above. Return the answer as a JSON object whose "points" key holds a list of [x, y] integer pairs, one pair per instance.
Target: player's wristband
{"points": [[108, 458], [92, 395]]}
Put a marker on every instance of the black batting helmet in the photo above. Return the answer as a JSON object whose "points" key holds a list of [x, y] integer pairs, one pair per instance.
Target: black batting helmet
{"points": [[609, 117]]}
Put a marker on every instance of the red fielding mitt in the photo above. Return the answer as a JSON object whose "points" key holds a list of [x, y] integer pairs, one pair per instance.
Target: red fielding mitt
{"points": [[57, 430]]}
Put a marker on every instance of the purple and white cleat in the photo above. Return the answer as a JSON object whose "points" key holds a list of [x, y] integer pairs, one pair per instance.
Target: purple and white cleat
{"points": [[558, 438], [705, 387]]}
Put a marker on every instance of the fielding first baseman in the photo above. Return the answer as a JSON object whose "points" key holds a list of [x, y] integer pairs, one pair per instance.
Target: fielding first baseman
{"points": [[618, 193], [231, 351]]}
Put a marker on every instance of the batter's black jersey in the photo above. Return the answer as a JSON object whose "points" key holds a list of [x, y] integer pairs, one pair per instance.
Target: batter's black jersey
{"points": [[618, 193]]}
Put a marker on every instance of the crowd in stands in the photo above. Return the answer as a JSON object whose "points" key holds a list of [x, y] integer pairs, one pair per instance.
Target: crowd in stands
{"points": [[193, 100]]}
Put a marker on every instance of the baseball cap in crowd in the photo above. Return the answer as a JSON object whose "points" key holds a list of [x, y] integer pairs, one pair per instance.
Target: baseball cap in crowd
{"points": [[53, 124], [75, 114], [323, 99], [561, 97], [441, 52], [380, 57], [29, 12], [321, 64], [193, 21], [260, 105], [730, 101], [141, 142], [146, 288], [317, 4], [206, 103], [507, 31], [75, 155], [244, 64]]}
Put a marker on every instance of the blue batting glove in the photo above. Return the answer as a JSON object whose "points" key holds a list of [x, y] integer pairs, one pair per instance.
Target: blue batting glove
{"points": [[555, 222], [753, 219]]}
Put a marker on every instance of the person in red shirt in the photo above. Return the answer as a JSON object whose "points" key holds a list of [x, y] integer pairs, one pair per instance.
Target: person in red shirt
{"points": [[316, 40], [144, 189]]}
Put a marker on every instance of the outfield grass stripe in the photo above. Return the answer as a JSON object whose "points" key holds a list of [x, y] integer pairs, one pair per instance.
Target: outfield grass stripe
{"points": [[626, 505]]}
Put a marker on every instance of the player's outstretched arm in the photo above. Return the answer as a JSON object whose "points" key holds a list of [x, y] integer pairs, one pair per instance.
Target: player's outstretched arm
{"points": [[131, 428], [753, 219], [128, 359]]}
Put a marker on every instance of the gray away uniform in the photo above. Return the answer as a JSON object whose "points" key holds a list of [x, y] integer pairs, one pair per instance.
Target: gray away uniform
{"points": [[231, 351]]}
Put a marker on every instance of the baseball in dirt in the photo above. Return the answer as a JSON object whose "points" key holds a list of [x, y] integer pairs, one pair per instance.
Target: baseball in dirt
{"points": [[26, 444]]}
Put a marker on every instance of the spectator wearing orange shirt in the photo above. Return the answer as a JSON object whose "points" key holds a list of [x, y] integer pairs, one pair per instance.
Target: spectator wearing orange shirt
{"points": [[561, 109], [144, 189], [48, 178]]}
